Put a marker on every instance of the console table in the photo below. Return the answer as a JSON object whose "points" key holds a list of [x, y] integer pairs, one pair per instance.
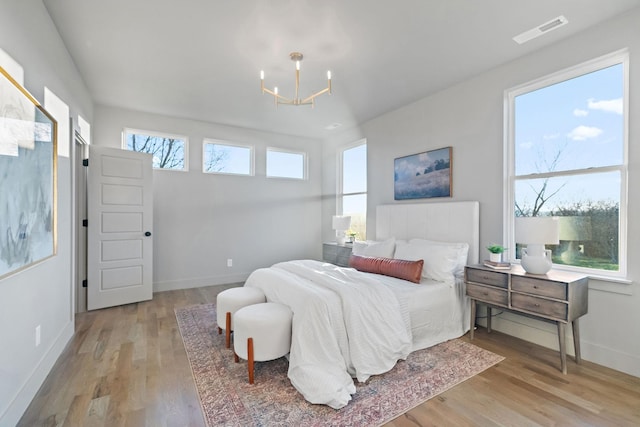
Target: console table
{"points": [[336, 254], [558, 296]]}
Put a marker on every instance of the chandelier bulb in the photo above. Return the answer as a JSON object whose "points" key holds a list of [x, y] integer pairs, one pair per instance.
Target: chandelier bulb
{"points": [[275, 89], [261, 74], [298, 65], [328, 75]]}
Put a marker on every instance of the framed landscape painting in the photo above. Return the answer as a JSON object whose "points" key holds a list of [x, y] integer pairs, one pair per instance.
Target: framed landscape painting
{"points": [[27, 179], [423, 175]]}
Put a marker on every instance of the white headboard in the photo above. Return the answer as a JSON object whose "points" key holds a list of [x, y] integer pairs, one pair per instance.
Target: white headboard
{"points": [[445, 222]]}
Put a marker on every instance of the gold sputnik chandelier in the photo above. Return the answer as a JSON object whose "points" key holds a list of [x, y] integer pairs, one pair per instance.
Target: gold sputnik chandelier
{"points": [[296, 100]]}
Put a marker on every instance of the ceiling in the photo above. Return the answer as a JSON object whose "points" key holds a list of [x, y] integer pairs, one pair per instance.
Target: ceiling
{"points": [[201, 59]]}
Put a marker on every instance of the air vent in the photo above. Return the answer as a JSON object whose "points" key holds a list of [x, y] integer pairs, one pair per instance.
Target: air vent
{"points": [[541, 29]]}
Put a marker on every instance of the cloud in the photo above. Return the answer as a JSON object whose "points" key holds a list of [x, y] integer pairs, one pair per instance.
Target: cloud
{"points": [[582, 133], [610, 106], [526, 145], [580, 113], [551, 136]]}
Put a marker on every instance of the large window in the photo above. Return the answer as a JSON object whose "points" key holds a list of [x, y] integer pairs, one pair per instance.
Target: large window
{"points": [[222, 157], [566, 147], [169, 151], [286, 164], [352, 187]]}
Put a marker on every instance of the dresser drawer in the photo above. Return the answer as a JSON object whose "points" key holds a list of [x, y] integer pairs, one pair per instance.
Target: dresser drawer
{"points": [[492, 278], [544, 307], [545, 288], [487, 294]]}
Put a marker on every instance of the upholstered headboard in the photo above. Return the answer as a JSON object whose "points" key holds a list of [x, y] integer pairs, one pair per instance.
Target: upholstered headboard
{"points": [[446, 222]]}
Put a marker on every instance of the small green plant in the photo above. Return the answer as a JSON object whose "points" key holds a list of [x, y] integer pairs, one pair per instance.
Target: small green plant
{"points": [[496, 249]]}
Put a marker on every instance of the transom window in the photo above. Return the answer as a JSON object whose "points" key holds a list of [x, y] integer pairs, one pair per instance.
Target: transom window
{"points": [[567, 156], [168, 151], [286, 164], [225, 158]]}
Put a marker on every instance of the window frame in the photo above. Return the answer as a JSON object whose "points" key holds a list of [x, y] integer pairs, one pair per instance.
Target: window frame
{"points": [[305, 164], [340, 194], [159, 135], [510, 178], [251, 148]]}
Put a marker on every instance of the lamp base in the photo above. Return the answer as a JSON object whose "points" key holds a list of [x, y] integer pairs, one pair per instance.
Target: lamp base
{"points": [[539, 262]]}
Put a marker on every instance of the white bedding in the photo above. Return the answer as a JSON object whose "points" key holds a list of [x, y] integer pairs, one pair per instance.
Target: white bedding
{"points": [[347, 323]]}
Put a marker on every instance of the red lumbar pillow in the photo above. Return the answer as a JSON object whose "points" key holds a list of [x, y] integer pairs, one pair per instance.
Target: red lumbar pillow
{"points": [[400, 268]]}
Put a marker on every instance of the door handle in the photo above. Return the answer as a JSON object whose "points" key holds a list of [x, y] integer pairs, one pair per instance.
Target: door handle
{"points": [[147, 233]]}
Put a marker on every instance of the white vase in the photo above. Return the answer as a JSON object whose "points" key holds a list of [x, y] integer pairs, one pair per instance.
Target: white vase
{"points": [[495, 257]]}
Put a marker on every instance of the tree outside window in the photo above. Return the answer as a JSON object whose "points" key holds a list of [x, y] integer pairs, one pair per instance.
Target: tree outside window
{"points": [[168, 151]]}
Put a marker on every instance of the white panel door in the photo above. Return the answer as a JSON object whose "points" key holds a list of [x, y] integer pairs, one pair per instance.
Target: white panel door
{"points": [[120, 216]]}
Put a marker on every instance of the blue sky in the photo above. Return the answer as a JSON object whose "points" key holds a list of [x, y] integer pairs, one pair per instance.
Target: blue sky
{"points": [[582, 119]]}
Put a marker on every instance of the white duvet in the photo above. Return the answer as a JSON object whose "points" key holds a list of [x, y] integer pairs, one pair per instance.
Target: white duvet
{"points": [[345, 324]]}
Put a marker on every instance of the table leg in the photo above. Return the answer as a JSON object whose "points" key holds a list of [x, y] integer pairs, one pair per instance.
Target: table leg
{"points": [[563, 347], [489, 319], [473, 318], [576, 340]]}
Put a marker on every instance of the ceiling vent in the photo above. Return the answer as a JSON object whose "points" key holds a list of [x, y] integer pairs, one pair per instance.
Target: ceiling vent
{"points": [[541, 29]]}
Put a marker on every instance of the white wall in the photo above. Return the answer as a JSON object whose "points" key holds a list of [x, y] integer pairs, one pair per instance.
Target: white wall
{"points": [[469, 117], [201, 220], [40, 295]]}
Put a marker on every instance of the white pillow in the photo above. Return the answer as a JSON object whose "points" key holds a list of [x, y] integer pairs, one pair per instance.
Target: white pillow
{"points": [[382, 249], [462, 248], [442, 261]]}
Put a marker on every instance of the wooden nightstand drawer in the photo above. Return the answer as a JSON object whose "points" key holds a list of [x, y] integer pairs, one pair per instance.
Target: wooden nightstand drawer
{"points": [[544, 307], [487, 294], [540, 287], [491, 278]]}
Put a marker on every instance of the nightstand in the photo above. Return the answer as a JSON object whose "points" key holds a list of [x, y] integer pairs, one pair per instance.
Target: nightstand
{"points": [[336, 254], [558, 296]]}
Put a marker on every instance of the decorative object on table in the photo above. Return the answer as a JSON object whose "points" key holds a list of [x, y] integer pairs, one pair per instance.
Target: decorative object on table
{"points": [[574, 229], [497, 265], [341, 224], [296, 100], [495, 252], [535, 232], [352, 236], [28, 150], [423, 175], [228, 399]]}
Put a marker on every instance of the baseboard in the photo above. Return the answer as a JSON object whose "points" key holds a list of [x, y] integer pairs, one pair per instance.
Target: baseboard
{"points": [[172, 285], [27, 392], [546, 335]]}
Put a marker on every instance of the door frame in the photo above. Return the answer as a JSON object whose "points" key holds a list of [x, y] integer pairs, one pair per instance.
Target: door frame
{"points": [[79, 153]]}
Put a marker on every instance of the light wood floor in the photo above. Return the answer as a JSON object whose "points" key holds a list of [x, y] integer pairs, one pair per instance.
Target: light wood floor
{"points": [[126, 366]]}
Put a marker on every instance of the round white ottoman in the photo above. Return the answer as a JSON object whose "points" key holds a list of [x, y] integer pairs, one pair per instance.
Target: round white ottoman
{"points": [[231, 300], [262, 332]]}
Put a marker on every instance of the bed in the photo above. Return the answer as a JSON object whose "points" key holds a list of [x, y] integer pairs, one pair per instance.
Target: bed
{"points": [[351, 324]]}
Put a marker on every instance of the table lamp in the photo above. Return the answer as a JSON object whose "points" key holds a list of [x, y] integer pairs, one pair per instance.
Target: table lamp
{"points": [[535, 232], [341, 224]]}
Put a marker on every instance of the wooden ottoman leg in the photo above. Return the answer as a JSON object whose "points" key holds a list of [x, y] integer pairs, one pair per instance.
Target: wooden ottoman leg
{"points": [[219, 330], [235, 357], [228, 330], [250, 358]]}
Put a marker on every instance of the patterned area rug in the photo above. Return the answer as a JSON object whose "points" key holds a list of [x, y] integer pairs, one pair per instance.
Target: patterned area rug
{"points": [[228, 399]]}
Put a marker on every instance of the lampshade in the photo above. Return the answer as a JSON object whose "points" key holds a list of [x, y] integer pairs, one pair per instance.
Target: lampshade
{"points": [[538, 230], [341, 223], [575, 228]]}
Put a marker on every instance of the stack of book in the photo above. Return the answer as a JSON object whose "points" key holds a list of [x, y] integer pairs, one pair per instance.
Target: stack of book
{"points": [[497, 265]]}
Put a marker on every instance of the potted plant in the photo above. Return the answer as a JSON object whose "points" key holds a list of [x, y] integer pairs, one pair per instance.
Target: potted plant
{"points": [[495, 252], [352, 236]]}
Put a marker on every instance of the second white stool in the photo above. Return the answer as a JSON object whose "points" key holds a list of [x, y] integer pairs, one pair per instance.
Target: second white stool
{"points": [[231, 300]]}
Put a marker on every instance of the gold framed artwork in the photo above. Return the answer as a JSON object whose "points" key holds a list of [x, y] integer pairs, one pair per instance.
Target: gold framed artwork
{"points": [[28, 175], [423, 175]]}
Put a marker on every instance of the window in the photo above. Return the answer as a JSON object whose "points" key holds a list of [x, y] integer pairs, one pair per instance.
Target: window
{"points": [[169, 151], [352, 187], [567, 156], [286, 164], [225, 158]]}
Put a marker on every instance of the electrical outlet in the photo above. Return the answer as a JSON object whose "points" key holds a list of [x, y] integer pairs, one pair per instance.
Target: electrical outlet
{"points": [[37, 335], [229, 262]]}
